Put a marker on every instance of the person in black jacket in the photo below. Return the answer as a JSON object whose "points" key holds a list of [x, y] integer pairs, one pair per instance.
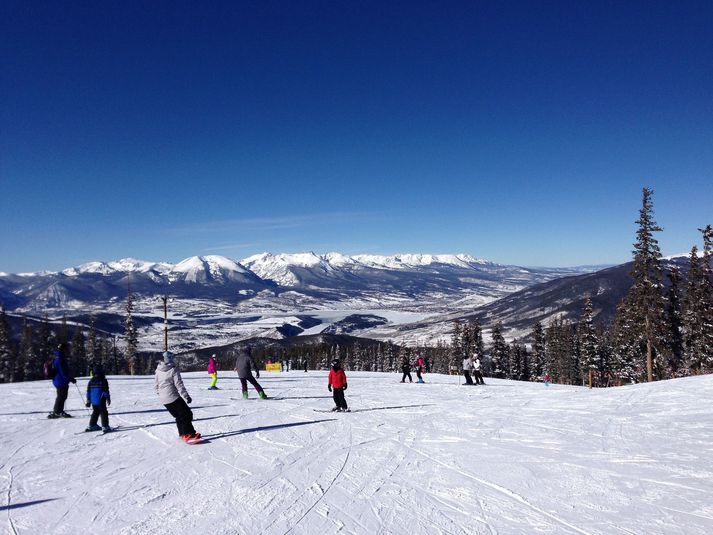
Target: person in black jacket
{"points": [[99, 398], [61, 377], [406, 368]]}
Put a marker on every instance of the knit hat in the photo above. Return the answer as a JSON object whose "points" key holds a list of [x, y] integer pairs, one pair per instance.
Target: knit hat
{"points": [[168, 357]]}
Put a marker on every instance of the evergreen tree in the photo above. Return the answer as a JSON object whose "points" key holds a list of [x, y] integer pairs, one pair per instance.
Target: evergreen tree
{"points": [[645, 297], [538, 351], [457, 340], [25, 353], [92, 344], [130, 336], [7, 352], [625, 349], [63, 335], [707, 297], [515, 361], [477, 337], [43, 351], [674, 325], [588, 341], [78, 357], [499, 353]]}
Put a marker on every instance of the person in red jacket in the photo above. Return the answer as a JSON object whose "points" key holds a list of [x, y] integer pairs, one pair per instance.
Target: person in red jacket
{"points": [[337, 385]]}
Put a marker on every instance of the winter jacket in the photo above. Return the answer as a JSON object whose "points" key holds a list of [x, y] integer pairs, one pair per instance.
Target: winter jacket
{"points": [[337, 379], [244, 364], [211, 366], [467, 364], [168, 384], [419, 362], [476, 365], [98, 389], [405, 366], [63, 375]]}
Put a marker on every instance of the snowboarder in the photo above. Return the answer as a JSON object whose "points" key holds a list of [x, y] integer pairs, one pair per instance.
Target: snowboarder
{"points": [[99, 398], [406, 369], [547, 379], [467, 366], [61, 377], [213, 372], [477, 374], [244, 365], [337, 384], [419, 368], [174, 396]]}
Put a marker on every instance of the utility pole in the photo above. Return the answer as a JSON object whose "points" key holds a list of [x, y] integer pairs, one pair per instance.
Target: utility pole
{"points": [[165, 322]]}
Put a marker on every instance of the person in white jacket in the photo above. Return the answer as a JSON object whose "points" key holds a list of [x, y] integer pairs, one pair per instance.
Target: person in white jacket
{"points": [[467, 367], [174, 396], [477, 374]]}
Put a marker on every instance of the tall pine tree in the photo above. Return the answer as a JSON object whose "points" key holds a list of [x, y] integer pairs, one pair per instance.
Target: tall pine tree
{"points": [[130, 336], [499, 352], [538, 351], [7, 351], [588, 345]]}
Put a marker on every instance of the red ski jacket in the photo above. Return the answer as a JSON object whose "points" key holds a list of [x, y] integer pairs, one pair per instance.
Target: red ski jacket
{"points": [[337, 379]]}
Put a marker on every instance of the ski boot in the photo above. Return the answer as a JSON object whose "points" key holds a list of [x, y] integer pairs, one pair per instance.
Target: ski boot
{"points": [[65, 415], [245, 395], [107, 429], [262, 395], [53, 415], [91, 428]]}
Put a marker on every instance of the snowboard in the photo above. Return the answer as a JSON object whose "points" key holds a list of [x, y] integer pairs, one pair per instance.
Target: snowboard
{"points": [[331, 411]]}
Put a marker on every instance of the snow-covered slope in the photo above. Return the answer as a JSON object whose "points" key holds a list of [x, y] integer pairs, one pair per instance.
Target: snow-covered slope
{"points": [[411, 459]]}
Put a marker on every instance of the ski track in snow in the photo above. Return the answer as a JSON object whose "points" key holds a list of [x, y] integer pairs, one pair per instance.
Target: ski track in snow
{"points": [[413, 459]]}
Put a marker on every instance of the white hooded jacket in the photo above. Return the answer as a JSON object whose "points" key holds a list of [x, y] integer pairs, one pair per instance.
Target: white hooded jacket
{"points": [[169, 385]]}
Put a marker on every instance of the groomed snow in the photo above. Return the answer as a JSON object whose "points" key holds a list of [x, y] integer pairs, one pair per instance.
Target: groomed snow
{"points": [[412, 459]]}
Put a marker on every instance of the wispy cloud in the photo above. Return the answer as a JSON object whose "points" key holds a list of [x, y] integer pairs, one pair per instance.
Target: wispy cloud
{"points": [[269, 223]]}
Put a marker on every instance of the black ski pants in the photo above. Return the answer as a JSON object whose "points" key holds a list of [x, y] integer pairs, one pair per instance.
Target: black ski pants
{"points": [[183, 415], [418, 373], [99, 410], [62, 393], [407, 373], [468, 380], [478, 377], [244, 383], [338, 396]]}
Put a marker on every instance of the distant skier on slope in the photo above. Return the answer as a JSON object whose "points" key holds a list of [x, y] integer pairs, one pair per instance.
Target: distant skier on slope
{"points": [[172, 392], [406, 369], [420, 364], [546, 379], [213, 372], [61, 377], [467, 367], [477, 374], [244, 365], [337, 384], [99, 398]]}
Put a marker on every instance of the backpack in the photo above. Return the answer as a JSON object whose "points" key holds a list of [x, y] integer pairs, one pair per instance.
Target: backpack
{"points": [[49, 369]]}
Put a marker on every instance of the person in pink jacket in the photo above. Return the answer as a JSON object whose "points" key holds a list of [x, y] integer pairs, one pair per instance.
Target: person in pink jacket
{"points": [[213, 372]]}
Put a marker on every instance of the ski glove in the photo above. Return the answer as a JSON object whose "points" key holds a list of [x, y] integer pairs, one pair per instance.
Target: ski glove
{"points": [[257, 374], [345, 386], [73, 380], [188, 399], [329, 387], [108, 402], [87, 404]]}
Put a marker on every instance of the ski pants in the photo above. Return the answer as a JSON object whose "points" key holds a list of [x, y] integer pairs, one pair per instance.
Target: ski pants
{"points": [[478, 377], [99, 410], [214, 379], [407, 374], [183, 415], [338, 396], [244, 383], [62, 392], [468, 380], [418, 373]]}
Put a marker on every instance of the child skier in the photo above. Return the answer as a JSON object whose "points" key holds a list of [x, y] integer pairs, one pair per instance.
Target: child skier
{"points": [[61, 377], [337, 384], [99, 398], [419, 368], [213, 372], [244, 365], [169, 386]]}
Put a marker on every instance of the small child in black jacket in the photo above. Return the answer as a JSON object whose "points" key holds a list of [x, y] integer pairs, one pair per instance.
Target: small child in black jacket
{"points": [[99, 398]]}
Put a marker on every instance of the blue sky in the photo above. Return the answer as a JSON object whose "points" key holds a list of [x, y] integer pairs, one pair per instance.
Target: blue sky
{"points": [[517, 132]]}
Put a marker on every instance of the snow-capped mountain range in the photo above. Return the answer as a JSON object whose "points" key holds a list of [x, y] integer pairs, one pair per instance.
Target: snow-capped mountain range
{"points": [[219, 298]]}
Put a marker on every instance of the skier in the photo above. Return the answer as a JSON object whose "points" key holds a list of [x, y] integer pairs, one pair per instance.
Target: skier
{"points": [[477, 374], [305, 362], [244, 365], [169, 386], [62, 376], [419, 368], [547, 379], [99, 398], [213, 372], [467, 366], [337, 384], [406, 369]]}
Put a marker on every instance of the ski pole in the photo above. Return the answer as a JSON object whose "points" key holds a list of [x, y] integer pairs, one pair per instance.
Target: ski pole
{"points": [[81, 397]]}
